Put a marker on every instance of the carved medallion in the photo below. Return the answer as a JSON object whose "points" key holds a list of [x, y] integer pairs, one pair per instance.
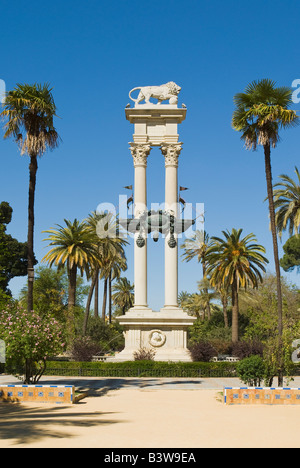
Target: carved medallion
{"points": [[157, 338]]}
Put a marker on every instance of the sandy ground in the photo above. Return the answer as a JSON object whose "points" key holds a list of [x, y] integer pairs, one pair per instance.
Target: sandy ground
{"points": [[145, 417]]}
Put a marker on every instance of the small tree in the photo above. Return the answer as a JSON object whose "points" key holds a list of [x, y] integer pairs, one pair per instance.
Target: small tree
{"points": [[251, 370], [279, 357], [30, 339]]}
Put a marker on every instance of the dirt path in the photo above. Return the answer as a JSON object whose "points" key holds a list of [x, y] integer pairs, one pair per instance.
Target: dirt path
{"points": [[145, 418]]}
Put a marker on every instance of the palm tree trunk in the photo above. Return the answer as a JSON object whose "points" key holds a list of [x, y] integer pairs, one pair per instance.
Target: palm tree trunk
{"points": [[224, 300], [72, 274], [235, 312], [109, 299], [268, 170], [33, 166], [88, 303], [207, 308], [203, 269], [96, 298], [104, 299]]}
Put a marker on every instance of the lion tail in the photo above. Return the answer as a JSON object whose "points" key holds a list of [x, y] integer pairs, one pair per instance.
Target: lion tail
{"points": [[134, 89]]}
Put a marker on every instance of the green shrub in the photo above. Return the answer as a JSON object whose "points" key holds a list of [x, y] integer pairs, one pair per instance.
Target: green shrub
{"points": [[251, 370], [141, 369]]}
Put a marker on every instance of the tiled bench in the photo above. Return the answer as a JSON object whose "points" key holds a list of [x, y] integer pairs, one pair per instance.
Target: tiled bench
{"points": [[261, 396], [38, 393]]}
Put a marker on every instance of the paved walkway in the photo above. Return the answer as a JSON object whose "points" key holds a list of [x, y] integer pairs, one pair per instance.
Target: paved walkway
{"points": [[144, 383]]}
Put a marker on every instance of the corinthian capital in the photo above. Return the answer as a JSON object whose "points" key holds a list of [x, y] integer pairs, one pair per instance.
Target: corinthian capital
{"points": [[140, 152], [171, 153]]}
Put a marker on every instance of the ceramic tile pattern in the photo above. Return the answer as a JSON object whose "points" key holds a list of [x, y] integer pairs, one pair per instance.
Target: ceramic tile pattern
{"points": [[261, 396], [37, 393]]}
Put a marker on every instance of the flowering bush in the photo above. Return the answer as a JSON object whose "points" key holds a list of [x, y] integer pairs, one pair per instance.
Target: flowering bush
{"points": [[30, 339]]}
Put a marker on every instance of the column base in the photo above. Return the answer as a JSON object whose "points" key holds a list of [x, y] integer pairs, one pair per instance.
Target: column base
{"points": [[164, 332]]}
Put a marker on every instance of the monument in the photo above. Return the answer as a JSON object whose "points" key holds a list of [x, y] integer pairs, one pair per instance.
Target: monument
{"points": [[155, 125]]}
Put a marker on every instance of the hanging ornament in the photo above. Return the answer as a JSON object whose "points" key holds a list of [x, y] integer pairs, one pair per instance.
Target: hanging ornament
{"points": [[140, 242], [172, 242]]}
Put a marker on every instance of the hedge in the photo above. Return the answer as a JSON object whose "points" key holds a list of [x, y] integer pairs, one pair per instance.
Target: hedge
{"points": [[141, 369]]}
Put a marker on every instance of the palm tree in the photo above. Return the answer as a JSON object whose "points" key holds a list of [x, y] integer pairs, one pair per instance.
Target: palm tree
{"points": [[261, 111], [287, 204], [30, 110], [49, 292], [196, 247], [191, 303], [123, 294], [235, 262], [205, 297], [111, 255], [73, 248], [183, 298], [117, 263]]}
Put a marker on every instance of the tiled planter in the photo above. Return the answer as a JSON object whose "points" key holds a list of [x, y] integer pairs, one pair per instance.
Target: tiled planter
{"points": [[261, 396], [38, 393]]}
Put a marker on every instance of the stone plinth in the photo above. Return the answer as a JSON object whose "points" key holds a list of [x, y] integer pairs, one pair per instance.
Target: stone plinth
{"points": [[165, 332], [155, 124]]}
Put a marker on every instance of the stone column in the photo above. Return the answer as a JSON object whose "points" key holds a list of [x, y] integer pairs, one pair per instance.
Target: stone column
{"points": [[140, 152], [171, 153]]}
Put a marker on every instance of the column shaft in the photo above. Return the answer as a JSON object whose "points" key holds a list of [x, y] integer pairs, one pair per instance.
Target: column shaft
{"points": [[171, 153], [171, 254], [140, 154]]}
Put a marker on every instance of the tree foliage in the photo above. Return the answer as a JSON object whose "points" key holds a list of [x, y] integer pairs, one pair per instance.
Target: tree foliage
{"points": [[291, 257], [260, 307], [50, 292], [13, 254]]}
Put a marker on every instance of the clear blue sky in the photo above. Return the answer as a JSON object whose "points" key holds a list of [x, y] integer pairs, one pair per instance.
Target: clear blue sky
{"points": [[93, 53]]}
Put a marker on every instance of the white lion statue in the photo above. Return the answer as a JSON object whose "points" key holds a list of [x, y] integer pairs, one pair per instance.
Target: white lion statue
{"points": [[166, 91]]}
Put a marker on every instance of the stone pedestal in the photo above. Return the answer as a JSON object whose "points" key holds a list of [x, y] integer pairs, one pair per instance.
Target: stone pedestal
{"points": [[165, 332]]}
